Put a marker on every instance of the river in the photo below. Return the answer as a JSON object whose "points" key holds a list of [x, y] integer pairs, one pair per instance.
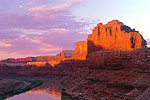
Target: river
{"points": [[49, 90]]}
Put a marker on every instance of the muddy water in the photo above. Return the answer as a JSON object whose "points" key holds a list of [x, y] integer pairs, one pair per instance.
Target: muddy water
{"points": [[49, 90]]}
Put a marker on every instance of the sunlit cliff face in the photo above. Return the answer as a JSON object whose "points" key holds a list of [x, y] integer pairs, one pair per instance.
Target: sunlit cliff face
{"points": [[51, 92]]}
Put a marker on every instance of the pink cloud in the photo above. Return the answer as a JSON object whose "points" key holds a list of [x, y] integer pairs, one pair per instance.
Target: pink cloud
{"points": [[36, 33], [20, 6], [50, 49], [43, 2], [31, 3], [45, 9], [4, 55], [4, 44]]}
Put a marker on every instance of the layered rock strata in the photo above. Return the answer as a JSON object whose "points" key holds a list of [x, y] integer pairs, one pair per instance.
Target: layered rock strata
{"points": [[114, 36]]}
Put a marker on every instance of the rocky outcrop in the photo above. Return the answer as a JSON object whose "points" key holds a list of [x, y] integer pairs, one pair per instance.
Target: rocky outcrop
{"points": [[51, 63], [67, 53], [39, 64], [29, 59], [114, 36], [44, 58], [62, 55], [54, 62], [39, 60], [80, 50], [85, 84], [116, 59], [33, 61]]}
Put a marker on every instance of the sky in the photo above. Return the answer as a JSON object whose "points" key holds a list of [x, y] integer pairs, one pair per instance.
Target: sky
{"points": [[45, 27]]}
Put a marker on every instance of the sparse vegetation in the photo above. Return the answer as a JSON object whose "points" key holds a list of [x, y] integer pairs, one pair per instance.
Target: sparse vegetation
{"points": [[63, 84]]}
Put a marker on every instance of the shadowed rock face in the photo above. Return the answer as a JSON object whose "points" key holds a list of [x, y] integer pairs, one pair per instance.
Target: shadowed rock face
{"points": [[115, 36]]}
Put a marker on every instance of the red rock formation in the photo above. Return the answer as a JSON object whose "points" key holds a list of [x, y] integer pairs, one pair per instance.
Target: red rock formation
{"points": [[68, 53], [114, 36], [44, 58], [39, 64], [116, 59], [30, 59], [80, 50], [62, 55]]}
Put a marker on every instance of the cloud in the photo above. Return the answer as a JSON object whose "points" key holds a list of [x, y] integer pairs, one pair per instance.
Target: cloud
{"points": [[3, 44], [20, 6], [42, 30], [44, 9], [4, 55], [31, 3], [52, 2]]}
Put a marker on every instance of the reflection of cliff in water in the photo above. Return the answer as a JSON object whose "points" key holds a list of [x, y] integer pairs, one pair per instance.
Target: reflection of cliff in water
{"points": [[49, 86], [49, 90]]}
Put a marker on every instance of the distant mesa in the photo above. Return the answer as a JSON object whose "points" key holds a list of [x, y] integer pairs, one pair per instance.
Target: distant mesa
{"points": [[51, 60], [112, 36], [66, 53], [39, 61]]}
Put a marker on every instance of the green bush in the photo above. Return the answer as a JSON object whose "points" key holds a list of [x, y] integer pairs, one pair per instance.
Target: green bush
{"points": [[63, 84]]}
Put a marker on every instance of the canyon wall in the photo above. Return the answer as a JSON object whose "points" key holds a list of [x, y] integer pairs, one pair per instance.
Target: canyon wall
{"points": [[116, 59], [80, 50], [114, 36]]}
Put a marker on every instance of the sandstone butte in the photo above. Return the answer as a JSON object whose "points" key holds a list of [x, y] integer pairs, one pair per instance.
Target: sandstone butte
{"points": [[112, 36]]}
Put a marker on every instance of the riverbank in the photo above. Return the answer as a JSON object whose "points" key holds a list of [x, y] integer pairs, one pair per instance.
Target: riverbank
{"points": [[11, 87]]}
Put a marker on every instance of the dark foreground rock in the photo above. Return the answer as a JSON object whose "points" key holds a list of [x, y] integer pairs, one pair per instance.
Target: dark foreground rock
{"points": [[131, 83]]}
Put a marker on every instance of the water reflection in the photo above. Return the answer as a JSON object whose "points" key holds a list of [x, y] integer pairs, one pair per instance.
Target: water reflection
{"points": [[50, 90]]}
